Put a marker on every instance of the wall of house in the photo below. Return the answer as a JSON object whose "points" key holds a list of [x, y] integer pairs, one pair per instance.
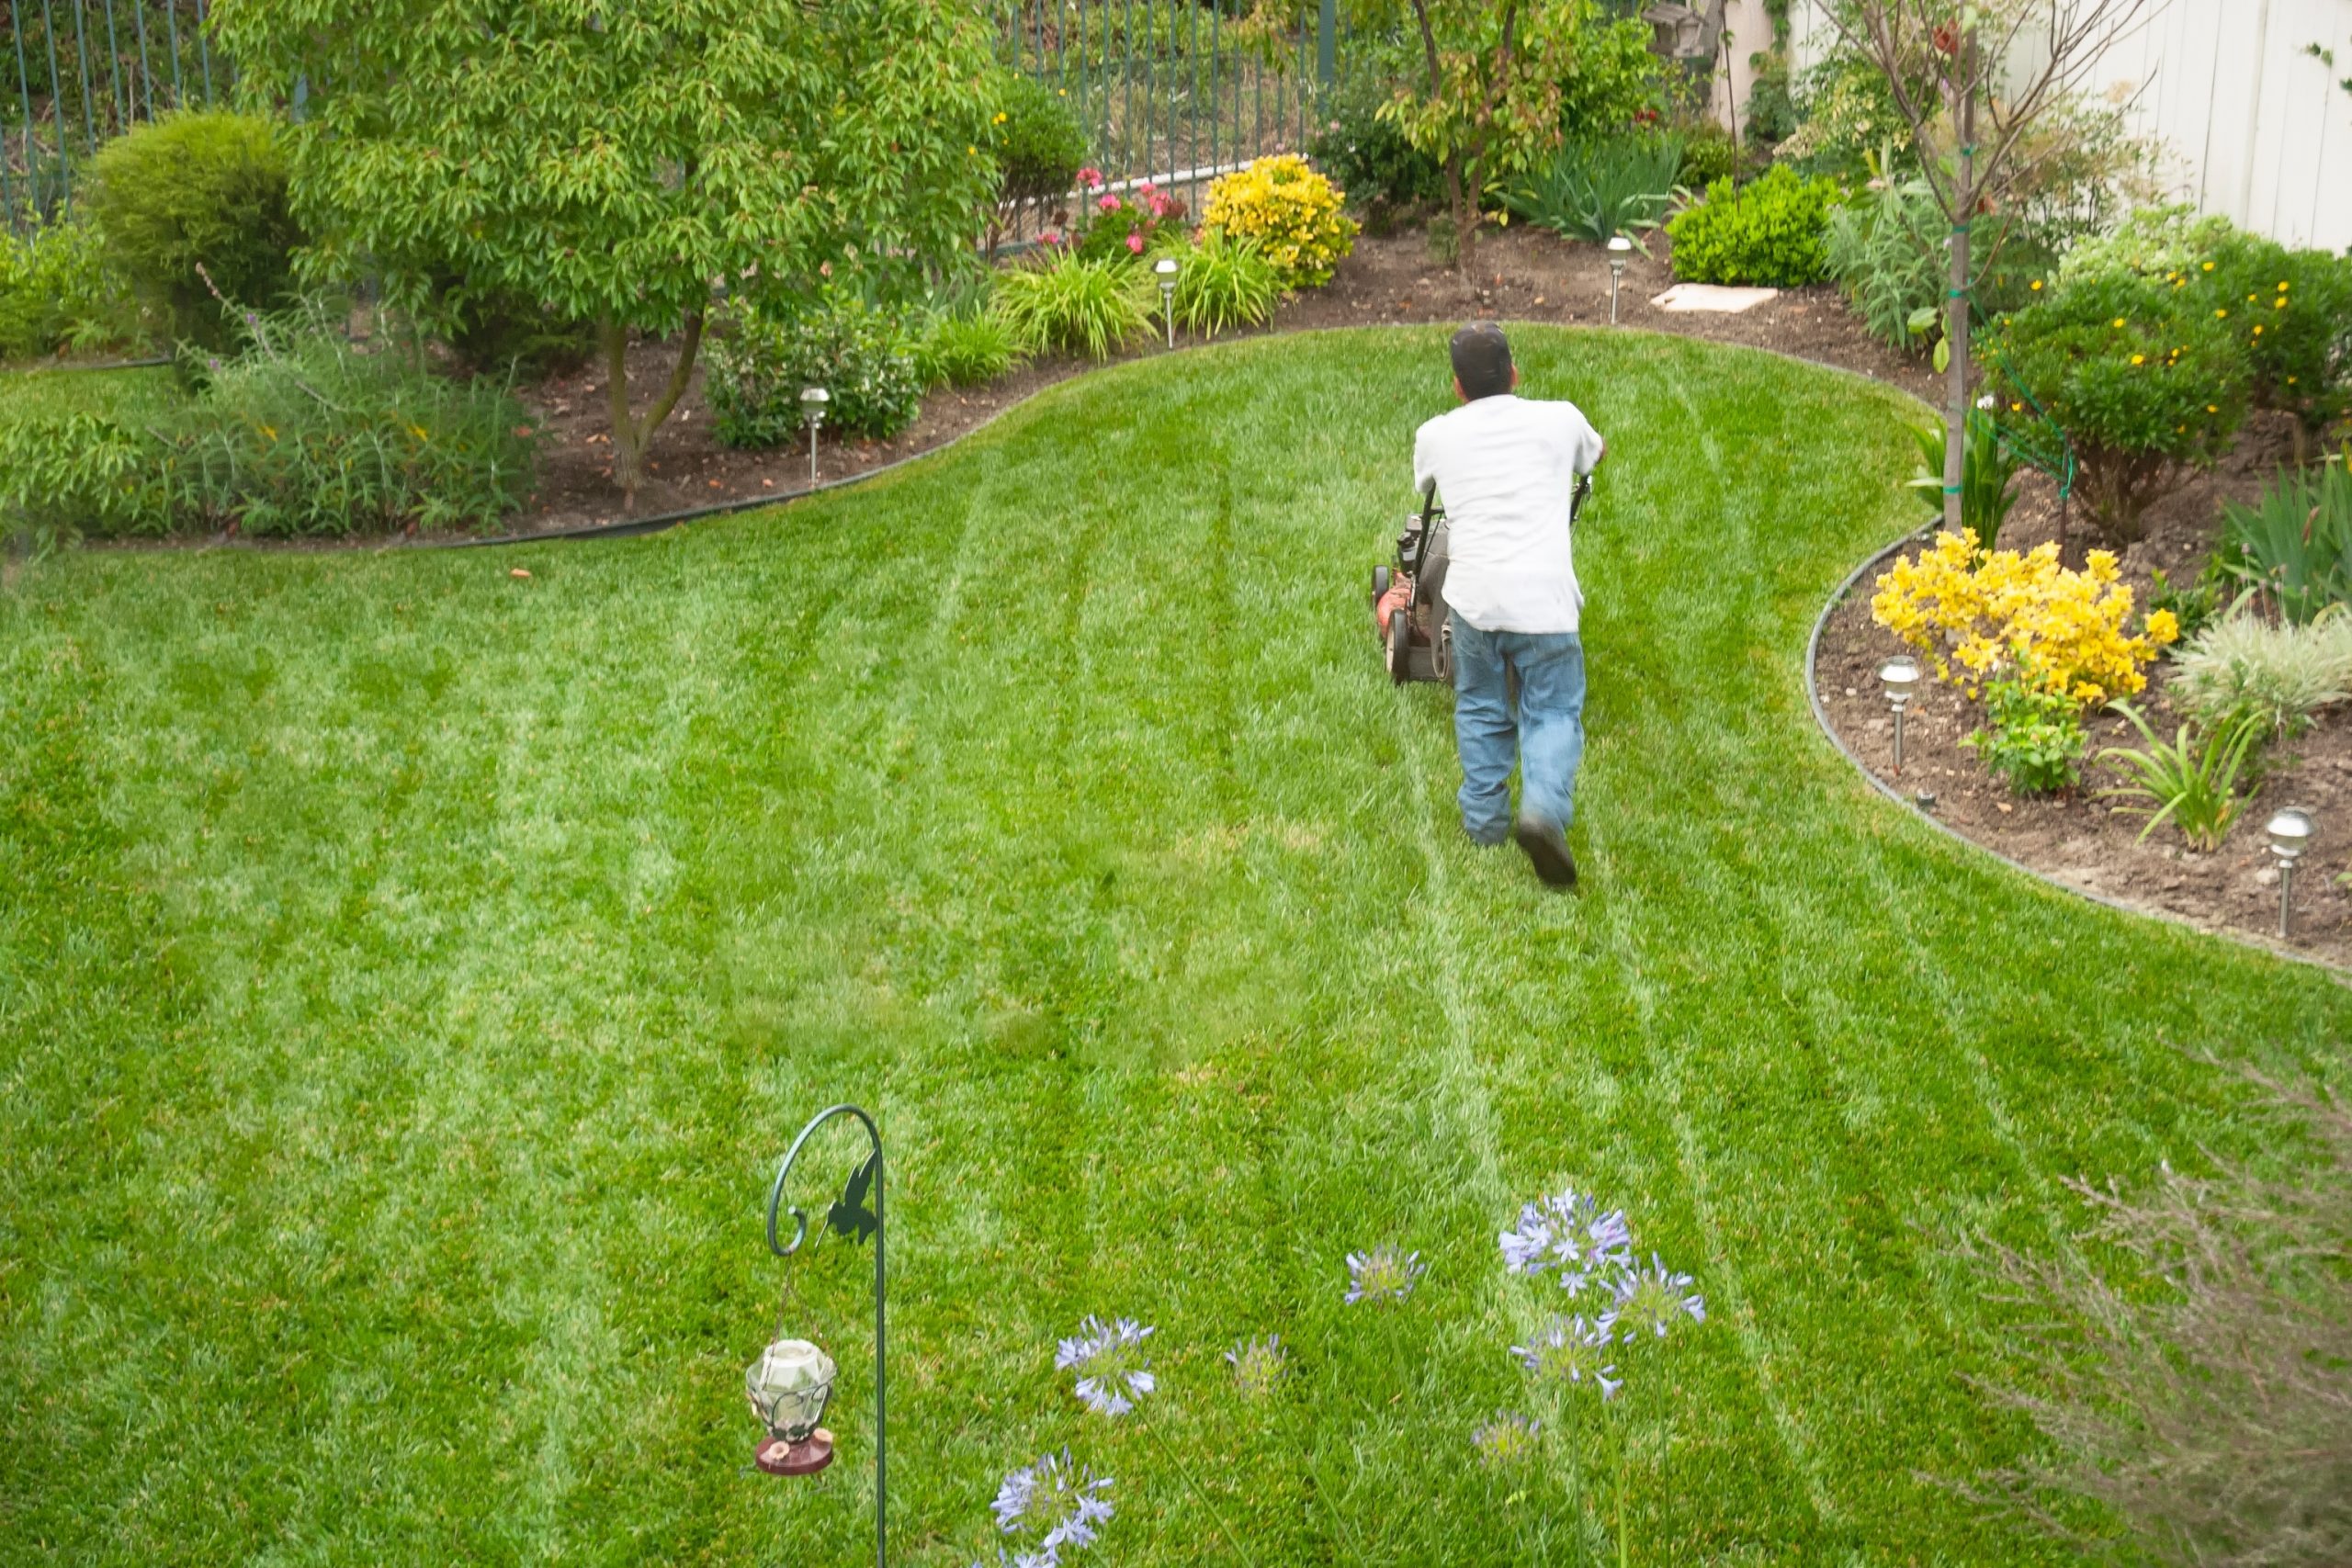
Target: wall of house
{"points": [[2252, 127]]}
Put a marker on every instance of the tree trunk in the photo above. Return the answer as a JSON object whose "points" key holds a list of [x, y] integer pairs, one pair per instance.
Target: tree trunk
{"points": [[1956, 306], [631, 435]]}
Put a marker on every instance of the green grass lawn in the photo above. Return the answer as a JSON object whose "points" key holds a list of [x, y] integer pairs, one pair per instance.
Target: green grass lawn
{"points": [[85, 392], [410, 976]]}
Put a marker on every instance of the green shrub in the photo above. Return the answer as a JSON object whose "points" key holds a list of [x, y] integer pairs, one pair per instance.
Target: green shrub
{"points": [[298, 436], [1368, 156], [965, 349], [2192, 786], [1223, 282], [767, 355], [1768, 233], [59, 291], [2282, 672], [1846, 112], [2141, 385], [2289, 312], [2295, 544], [197, 191], [1068, 303], [1597, 190], [1613, 81], [1039, 143], [2033, 739], [1989, 468], [1709, 154]]}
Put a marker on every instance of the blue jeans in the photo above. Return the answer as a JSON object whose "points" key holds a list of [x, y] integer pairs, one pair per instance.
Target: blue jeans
{"points": [[1545, 736]]}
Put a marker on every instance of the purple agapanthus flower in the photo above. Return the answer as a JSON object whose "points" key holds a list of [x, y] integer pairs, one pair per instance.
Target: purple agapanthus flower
{"points": [[1655, 1298], [1108, 1358], [1383, 1274], [1569, 1232], [1573, 1350], [1056, 1503]]}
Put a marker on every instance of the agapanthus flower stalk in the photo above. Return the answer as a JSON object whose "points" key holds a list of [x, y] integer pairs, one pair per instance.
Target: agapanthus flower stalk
{"points": [[1112, 1370], [1655, 1300], [1573, 1350], [1569, 1232], [1053, 1504]]}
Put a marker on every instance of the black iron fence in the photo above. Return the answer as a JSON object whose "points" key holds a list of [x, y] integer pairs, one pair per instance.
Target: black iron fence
{"points": [[74, 72]]}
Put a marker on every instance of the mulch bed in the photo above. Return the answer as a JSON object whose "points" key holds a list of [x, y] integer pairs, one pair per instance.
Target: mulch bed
{"points": [[2079, 839], [1522, 275]]}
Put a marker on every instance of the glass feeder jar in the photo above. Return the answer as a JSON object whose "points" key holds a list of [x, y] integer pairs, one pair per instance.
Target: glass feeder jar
{"points": [[788, 1386]]}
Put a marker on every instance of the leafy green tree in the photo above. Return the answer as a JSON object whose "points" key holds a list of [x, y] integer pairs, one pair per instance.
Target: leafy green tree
{"points": [[1486, 98], [619, 163]]}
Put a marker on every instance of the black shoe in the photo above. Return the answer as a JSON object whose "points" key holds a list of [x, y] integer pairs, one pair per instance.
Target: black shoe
{"points": [[1547, 848]]}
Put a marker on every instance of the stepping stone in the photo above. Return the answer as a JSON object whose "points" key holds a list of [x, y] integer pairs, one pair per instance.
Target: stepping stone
{"points": [[1713, 297]]}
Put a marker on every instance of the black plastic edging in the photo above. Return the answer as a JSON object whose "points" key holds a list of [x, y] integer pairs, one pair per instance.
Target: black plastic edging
{"points": [[78, 369], [1821, 716]]}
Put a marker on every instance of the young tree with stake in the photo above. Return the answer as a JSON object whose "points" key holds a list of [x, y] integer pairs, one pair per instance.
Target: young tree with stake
{"points": [[1488, 100], [623, 162], [1946, 62]]}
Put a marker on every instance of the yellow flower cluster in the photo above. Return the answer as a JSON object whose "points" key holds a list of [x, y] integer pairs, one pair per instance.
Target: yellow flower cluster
{"points": [[2006, 613], [1293, 213]]}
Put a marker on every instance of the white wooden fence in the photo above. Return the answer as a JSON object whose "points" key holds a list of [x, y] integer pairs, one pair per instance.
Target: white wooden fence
{"points": [[2252, 126]]}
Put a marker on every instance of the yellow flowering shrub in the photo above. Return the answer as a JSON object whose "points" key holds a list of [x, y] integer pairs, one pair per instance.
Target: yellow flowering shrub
{"points": [[1980, 615], [1293, 213]]}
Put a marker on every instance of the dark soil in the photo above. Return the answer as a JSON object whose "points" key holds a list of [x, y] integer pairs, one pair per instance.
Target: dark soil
{"points": [[2081, 840]]}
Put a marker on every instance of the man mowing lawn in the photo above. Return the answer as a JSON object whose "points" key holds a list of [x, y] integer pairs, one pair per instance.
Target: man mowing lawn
{"points": [[1507, 467]]}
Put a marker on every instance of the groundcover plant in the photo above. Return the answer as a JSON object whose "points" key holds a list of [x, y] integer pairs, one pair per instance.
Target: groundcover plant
{"points": [[410, 972]]}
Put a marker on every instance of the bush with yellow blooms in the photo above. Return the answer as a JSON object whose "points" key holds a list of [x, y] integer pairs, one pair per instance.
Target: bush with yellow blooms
{"points": [[1978, 616], [1293, 213]]}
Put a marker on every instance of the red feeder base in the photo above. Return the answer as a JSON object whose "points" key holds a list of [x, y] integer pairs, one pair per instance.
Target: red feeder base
{"points": [[806, 1457]]}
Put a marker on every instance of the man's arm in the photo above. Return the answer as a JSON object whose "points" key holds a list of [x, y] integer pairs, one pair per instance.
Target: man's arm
{"points": [[1424, 460]]}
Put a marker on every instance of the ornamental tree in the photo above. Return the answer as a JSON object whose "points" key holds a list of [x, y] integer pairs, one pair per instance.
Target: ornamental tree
{"points": [[1977, 81], [621, 162], [1485, 101]]}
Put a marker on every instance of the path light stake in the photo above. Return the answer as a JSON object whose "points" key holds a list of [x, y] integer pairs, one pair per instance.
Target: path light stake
{"points": [[1900, 676], [791, 1380], [1166, 267], [1621, 251], [813, 408], [2291, 835]]}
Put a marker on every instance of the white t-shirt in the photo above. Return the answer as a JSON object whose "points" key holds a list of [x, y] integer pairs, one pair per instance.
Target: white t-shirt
{"points": [[1506, 468]]}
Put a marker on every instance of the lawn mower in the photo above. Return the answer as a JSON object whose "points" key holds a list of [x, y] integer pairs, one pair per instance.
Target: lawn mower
{"points": [[1409, 600]]}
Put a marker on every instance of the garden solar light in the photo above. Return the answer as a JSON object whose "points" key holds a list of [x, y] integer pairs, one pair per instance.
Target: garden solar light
{"points": [[812, 407], [2291, 835], [788, 1386], [1166, 267], [1621, 251], [1900, 676]]}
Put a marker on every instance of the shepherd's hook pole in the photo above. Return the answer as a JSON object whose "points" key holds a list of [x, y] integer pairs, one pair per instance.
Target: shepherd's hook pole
{"points": [[847, 1218]]}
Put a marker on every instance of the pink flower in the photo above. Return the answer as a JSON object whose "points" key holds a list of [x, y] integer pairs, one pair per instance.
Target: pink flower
{"points": [[1049, 238], [1135, 244], [1090, 177], [1108, 204]]}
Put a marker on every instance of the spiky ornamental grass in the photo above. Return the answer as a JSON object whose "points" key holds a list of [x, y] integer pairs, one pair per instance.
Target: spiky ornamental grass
{"points": [[405, 968], [1109, 1359], [1383, 1274]]}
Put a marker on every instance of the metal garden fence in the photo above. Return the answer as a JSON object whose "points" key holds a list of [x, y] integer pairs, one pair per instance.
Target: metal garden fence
{"points": [[1175, 92], [74, 72]]}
